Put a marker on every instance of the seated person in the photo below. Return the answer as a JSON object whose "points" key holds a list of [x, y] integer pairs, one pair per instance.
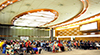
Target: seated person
{"points": [[9, 48], [16, 47], [65, 46], [97, 45], [34, 48], [51, 46], [1, 44], [28, 46], [38, 45], [61, 46], [22, 46], [55, 47], [47, 46], [4, 48]]}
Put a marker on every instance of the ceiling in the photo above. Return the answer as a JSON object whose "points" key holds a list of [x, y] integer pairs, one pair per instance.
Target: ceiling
{"points": [[67, 9]]}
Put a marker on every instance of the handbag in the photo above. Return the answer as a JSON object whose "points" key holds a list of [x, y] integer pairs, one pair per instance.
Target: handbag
{"points": [[59, 50]]}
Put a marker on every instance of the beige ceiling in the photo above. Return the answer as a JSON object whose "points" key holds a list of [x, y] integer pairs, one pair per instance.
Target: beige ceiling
{"points": [[93, 9], [66, 8], [2, 1]]}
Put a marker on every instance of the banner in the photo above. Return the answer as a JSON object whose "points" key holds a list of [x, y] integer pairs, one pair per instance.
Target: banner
{"points": [[24, 38]]}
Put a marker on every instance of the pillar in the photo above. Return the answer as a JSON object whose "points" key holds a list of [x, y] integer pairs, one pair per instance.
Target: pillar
{"points": [[51, 34]]}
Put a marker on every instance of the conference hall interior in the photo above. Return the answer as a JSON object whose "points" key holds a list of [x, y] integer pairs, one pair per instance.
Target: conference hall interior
{"points": [[49, 27]]}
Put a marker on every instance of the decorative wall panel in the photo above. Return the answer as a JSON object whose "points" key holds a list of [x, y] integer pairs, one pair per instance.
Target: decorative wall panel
{"points": [[73, 32]]}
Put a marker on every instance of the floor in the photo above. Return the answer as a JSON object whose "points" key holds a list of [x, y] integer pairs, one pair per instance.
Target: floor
{"points": [[73, 52]]}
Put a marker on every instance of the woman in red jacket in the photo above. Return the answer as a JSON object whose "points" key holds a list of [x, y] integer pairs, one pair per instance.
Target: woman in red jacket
{"points": [[28, 46], [61, 46]]}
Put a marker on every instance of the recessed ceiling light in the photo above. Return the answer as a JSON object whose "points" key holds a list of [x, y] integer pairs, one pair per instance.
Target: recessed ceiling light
{"points": [[82, 0], [12, 11], [90, 12], [28, 12], [60, 4], [67, 13], [28, 4], [11, 2], [74, 3], [2, 4], [8, 1], [16, 17], [37, 11], [5, 5], [41, 10]]}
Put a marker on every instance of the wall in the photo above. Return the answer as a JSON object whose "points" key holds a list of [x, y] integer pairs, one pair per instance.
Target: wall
{"points": [[12, 33], [75, 32], [27, 32], [31, 38]]}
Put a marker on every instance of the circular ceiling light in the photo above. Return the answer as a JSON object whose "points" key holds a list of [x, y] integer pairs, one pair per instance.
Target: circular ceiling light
{"points": [[38, 17]]}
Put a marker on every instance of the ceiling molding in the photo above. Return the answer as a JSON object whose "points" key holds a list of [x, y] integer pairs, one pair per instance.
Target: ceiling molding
{"points": [[85, 7], [7, 3], [81, 22]]}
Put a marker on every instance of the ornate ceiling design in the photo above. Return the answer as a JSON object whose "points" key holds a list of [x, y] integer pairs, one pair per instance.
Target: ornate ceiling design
{"points": [[70, 11], [7, 3], [85, 7], [37, 18]]}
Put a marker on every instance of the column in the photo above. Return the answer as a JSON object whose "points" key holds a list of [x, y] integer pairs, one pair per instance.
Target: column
{"points": [[51, 34]]}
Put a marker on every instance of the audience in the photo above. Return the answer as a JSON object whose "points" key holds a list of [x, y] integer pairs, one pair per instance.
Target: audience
{"points": [[22, 47], [86, 45]]}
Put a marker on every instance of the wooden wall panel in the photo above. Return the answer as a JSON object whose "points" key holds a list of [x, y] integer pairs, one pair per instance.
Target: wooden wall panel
{"points": [[64, 38], [88, 38], [73, 32], [5, 35], [98, 25]]}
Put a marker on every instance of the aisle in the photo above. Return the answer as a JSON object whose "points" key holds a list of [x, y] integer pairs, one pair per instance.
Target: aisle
{"points": [[74, 52]]}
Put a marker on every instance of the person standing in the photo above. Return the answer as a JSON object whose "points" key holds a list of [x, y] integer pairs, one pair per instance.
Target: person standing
{"points": [[4, 48]]}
